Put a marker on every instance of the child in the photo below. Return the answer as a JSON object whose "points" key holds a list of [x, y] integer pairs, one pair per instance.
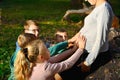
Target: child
{"points": [[61, 35], [30, 27], [22, 40], [33, 62]]}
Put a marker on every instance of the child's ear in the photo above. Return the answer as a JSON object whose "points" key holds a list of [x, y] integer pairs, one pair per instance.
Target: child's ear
{"points": [[40, 58]]}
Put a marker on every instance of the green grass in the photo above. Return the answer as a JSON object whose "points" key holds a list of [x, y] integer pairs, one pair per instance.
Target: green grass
{"points": [[47, 12], [19, 10], [115, 5], [14, 12]]}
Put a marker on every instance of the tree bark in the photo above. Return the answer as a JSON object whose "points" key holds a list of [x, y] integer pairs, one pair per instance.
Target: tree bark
{"points": [[85, 10]]}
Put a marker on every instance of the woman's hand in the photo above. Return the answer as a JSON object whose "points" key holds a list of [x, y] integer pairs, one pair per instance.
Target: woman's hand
{"points": [[84, 67]]}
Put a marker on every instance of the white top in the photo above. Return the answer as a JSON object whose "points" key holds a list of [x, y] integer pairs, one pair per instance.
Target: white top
{"points": [[95, 29]]}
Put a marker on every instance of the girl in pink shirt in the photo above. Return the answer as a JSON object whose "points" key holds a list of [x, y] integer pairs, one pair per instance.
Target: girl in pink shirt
{"points": [[33, 62]]}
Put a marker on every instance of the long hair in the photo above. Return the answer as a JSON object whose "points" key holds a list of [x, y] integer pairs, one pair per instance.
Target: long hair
{"points": [[26, 59]]}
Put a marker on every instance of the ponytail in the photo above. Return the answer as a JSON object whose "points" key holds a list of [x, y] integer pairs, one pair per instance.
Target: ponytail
{"points": [[26, 59], [21, 65]]}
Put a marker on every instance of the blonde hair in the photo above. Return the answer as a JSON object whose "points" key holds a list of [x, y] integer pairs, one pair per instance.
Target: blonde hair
{"points": [[25, 38], [26, 58], [28, 23]]}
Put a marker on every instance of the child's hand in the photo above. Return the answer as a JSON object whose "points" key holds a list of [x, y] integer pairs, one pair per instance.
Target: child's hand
{"points": [[74, 48], [70, 45], [74, 38], [81, 42]]}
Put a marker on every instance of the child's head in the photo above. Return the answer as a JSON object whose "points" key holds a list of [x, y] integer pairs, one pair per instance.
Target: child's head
{"points": [[34, 52], [31, 26], [25, 38], [61, 35]]}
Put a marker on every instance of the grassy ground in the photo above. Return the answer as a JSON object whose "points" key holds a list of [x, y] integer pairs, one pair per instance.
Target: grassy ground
{"points": [[47, 12]]}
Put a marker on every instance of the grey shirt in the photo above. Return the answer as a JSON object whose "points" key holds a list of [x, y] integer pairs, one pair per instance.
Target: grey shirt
{"points": [[95, 29]]}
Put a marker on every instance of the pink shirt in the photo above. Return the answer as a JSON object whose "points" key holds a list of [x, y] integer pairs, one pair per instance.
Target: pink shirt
{"points": [[47, 70]]}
